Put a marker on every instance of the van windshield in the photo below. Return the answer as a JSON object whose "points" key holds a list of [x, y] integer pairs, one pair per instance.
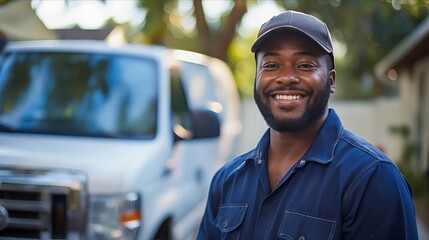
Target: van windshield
{"points": [[78, 94]]}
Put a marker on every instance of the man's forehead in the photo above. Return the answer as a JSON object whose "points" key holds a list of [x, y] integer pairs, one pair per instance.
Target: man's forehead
{"points": [[283, 41]]}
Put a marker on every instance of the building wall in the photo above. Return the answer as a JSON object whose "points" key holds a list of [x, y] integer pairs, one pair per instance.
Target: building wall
{"points": [[420, 77], [414, 106], [408, 89]]}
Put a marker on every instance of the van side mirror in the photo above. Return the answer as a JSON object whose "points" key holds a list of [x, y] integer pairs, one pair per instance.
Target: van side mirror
{"points": [[205, 124]]}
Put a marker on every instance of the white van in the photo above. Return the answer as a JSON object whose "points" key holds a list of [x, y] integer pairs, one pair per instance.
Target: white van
{"points": [[100, 142]]}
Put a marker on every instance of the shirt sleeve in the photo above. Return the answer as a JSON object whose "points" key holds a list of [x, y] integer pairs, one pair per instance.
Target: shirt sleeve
{"points": [[208, 229], [378, 205]]}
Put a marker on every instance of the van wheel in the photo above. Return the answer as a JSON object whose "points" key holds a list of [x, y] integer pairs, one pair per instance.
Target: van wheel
{"points": [[164, 232]]}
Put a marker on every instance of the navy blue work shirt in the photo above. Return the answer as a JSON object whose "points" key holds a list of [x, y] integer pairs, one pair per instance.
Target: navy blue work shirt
{"points": [[342, 188]]}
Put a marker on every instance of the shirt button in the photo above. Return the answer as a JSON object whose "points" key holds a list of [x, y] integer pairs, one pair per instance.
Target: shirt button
{"points": [[301, 238], [259, 161], [225, 223]]}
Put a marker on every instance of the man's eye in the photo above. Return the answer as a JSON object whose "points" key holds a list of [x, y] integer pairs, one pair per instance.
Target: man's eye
{"points": [[307, 66], [269, 66]]}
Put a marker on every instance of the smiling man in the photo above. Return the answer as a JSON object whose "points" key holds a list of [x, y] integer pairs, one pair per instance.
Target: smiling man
{"points": [[308, 177]]}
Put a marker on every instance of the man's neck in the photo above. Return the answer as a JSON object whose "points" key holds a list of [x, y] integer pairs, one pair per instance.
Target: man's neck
{"points": [[286, 148], [292, 145]]}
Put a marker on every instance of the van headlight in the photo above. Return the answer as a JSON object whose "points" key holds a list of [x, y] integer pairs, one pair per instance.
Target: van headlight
{"points": [[114, 216]]}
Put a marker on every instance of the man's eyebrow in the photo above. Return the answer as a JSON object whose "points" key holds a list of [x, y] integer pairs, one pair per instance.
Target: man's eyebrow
{"points": [[270, 53], [306, 53], [299, 53]]}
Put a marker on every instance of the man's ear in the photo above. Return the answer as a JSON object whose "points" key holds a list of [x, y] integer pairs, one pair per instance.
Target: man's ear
{"points": [[332, 78]]}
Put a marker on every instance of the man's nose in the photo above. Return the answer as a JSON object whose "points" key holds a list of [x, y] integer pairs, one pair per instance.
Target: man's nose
{"points": [[287, 75]]}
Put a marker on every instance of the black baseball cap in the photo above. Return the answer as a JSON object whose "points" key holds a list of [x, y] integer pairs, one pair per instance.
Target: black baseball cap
{"points": [[309, 25]]}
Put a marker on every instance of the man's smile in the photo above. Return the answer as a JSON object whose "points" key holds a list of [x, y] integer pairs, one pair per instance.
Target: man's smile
{"points": [[288, 97]]}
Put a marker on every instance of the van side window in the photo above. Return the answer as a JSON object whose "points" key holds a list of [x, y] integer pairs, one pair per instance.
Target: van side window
{"points": [[199, 84], [181, 116]]}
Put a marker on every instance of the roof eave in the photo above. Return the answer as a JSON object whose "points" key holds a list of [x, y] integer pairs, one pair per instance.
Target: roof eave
{"points": [[407, 50]]}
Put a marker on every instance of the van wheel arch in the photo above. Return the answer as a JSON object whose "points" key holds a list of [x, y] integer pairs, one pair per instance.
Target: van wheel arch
{"points": [[164, 231]]}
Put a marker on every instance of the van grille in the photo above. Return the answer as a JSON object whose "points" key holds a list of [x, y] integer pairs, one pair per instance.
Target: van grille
{"points": [[42, 204]]}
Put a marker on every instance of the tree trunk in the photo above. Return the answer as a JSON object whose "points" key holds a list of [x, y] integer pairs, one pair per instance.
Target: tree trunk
{"points": [[216, 45]]}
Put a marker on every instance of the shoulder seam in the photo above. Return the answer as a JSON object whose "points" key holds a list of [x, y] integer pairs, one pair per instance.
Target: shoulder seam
{"points": [[363, 149]]}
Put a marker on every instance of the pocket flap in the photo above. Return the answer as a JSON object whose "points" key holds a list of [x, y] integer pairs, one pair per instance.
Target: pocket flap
{"points": [[301, 226], [230, 217]]}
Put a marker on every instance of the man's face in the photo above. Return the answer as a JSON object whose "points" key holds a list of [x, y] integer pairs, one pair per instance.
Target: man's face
{"points": [[293, 82]]}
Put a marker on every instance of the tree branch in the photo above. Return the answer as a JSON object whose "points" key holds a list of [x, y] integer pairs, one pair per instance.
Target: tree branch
{"points": [[204, 32], [230, 26]]}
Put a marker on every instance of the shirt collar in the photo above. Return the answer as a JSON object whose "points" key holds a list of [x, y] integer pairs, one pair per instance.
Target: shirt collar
{"points": [[260, 151], [322, 149]]}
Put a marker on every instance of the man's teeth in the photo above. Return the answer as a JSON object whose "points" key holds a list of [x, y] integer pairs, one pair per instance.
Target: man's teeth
{"points": [[287, 97]]}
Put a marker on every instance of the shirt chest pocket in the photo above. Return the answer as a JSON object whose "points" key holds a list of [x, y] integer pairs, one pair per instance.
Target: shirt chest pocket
{"points": [[298, 226], [229, 219]]}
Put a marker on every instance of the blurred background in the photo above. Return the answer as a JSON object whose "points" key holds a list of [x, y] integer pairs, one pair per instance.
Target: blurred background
{"points": [[381, 54]]}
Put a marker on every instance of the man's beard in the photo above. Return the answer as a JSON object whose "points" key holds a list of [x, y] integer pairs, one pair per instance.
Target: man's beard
{"points": [[312, 113]]}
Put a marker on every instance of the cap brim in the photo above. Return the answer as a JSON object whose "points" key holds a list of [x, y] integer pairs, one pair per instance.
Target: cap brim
{"points": [[256, 45]]}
